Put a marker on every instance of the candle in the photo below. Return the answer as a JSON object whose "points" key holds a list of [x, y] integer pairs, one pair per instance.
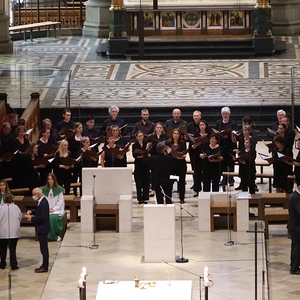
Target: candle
{"points": [[80, 281], [206, 281], [83, 270]]}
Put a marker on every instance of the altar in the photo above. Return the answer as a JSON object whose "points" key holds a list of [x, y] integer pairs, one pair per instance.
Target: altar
{"points": [[191, 17], [147, 290]]}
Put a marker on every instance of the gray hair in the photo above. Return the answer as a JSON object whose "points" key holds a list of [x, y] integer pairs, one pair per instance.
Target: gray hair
{"points": [[113, 107], [225, 109]]}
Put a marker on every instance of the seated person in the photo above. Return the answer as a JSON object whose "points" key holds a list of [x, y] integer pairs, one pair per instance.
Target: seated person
{"points": [[54, 194]]}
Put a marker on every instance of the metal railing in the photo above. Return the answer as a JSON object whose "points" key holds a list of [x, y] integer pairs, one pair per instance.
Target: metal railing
{"points": [[70, 13]]}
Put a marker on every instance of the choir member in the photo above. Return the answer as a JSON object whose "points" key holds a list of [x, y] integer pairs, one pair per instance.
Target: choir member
{"points": [[177, 148], [90, 130], [62, 165], [4, 189], [212, 169], [114, 120], [110, 156], [65, 127], [120, 142], [141, 169], [89, 157], [144, 125]]}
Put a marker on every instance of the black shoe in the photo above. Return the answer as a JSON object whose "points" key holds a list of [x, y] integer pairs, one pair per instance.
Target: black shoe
{"points": [[2, 267], [151, 194], [192, 187], [182, 201], [297, 272], [238, 188], [196, 194], [145, 202], [140, 202], [15, 268], [40, 270]]}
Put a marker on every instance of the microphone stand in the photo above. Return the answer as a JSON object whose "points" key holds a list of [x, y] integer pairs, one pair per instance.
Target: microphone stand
{"points": [[94, 245], [229, 242], [181, 259]]}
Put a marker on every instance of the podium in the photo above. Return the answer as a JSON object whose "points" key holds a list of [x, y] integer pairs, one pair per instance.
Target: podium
{"points": [[159, 233]]}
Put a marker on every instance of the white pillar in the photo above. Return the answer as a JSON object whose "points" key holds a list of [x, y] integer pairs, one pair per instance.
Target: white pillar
{"points": [[6, 45], [97, 18]]}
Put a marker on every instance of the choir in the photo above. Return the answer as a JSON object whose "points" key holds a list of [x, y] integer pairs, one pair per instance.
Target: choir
{"points": [[64, 150]]}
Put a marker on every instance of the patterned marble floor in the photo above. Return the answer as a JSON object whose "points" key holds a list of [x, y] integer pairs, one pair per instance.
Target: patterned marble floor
{"points": [[47, 65]]}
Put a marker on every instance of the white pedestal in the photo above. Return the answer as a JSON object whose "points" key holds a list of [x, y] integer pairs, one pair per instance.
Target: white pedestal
{"points": [[159, 233], [87, 211], [242, 211], [125, 213], [204, 211]]}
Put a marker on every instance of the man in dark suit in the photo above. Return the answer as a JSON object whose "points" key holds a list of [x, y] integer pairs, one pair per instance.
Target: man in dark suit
{"points": [[161, 166], [294, 229], [40, 218]]}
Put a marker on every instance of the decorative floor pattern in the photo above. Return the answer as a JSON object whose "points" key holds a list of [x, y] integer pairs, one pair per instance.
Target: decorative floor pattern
{"points": [[44, 66]]}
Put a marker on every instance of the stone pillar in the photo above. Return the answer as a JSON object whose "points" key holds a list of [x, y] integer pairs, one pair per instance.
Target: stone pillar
{"points": [[262, 28], [117, 42], [285, 17], [97, 18], [6, 45]]}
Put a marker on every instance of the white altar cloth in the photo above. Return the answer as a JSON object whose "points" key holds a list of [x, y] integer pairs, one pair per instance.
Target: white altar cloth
{"points": [[163, 289]]}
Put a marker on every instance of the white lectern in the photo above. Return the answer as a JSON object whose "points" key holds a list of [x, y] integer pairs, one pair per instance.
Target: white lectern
{"points": [[159, 233]]}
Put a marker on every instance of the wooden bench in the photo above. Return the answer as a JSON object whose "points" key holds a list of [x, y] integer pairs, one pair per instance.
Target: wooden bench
{"points": [[107, 210], [25, 27], [72, 203], [222, 208], [272, 200], [275, 216]]}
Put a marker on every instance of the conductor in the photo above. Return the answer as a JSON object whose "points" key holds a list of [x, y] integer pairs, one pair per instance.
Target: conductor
{"points": [[161, 166]]}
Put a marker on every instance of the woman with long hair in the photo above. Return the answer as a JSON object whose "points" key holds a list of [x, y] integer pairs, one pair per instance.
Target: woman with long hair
{"points": [[4, 189], [176, 147], [46, 150], [109, 156], [120, 142], [54, 194], [201, 141], [92, 159], [75, 149], [63, 164]]}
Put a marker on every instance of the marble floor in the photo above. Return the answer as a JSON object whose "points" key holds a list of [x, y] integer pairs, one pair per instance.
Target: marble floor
{"points": [[120, 257], [50, 66]]}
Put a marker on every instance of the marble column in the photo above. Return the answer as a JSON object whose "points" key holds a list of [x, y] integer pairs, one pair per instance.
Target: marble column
{"points": [[262, 28], [97, 18], [6, 45], [285, 17]]}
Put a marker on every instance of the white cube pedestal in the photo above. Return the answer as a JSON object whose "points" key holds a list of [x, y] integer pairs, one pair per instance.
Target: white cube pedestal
{"points": [[159, 233]]}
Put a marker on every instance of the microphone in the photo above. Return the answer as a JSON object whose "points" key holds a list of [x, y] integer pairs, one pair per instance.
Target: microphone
{"points": [[163, 192]]}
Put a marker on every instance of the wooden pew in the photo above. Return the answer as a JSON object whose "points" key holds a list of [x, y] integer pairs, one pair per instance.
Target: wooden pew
{"points": [[275, 216], [31, 117], [25, 27]]}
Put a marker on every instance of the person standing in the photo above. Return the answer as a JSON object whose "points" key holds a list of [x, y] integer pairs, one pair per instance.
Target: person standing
{"points": [[65, 127], [41, 220], [176, 121], [114, 120], [54, 194], [144, 125], [294, 230], [225, 141], [161, 166], [10, 219], [193, 128], [141, 169]]}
